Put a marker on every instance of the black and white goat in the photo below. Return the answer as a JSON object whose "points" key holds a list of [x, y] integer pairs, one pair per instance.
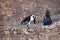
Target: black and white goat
{"points": [[27, 20]]}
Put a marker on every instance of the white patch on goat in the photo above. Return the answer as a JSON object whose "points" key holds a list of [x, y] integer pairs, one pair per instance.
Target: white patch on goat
{"points": [[28, 23], [31, 18]]}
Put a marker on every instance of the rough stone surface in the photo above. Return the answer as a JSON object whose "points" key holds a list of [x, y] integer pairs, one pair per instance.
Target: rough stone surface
{"points": [[13, 11], [16, 10]]}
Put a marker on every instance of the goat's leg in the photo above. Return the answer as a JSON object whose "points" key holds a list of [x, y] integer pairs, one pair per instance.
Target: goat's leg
{"points": [[34, 22], [28, 25], [35, 25]]}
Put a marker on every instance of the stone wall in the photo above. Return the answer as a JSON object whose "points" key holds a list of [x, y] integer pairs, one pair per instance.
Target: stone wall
{"points": [[23, 34], [13, 11], [16, 10]]}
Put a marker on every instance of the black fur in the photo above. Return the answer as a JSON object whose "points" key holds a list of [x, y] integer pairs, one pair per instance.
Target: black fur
{"points": [[27, 19], [47, 18]]}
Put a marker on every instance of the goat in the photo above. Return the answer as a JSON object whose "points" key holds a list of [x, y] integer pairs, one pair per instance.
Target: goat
{"points": [[27, 20]]}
